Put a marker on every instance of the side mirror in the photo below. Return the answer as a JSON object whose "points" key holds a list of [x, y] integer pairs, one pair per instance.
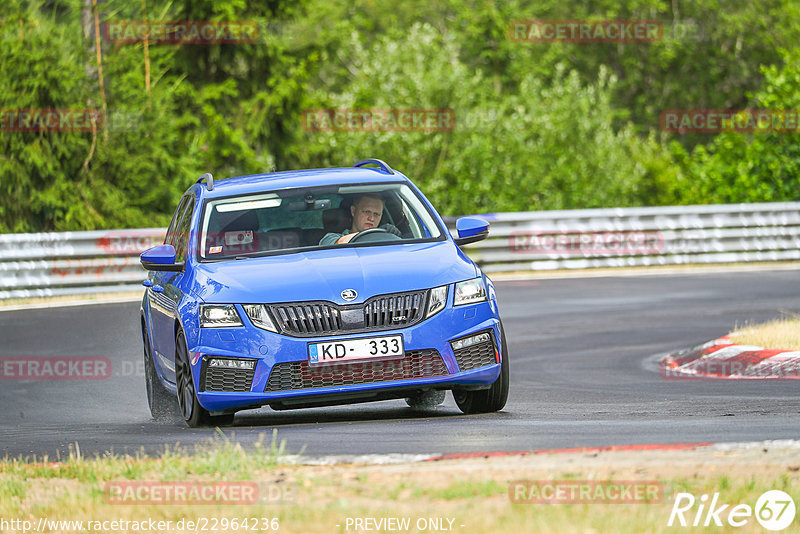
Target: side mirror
{"points": [[160, 258], [470, 230]]}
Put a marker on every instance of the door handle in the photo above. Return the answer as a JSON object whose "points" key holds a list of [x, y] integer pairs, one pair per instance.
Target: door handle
{"points": [[147, 283], [158, 289]]}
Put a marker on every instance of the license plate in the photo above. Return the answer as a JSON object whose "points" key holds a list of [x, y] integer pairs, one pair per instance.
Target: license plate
{"points": [[355, 350]]}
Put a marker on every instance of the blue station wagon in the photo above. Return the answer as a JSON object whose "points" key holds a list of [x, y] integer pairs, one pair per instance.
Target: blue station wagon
{"points": [[317, 287]]}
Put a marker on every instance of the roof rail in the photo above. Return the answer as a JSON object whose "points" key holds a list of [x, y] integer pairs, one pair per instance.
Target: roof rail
{"points": [[380, 163], [209, 180]]}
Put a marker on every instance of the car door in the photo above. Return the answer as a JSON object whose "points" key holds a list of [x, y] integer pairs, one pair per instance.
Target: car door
{"points": [[162, 295]]}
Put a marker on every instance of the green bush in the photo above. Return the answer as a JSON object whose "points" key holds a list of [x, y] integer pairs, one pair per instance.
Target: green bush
{"points": [[755, 167]]}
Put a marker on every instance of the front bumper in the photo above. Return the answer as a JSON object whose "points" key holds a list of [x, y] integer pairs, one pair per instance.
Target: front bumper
{"points": [[344, 383]]}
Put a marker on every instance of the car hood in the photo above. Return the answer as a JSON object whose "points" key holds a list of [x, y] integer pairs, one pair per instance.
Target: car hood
{"points": [[324, 274]]}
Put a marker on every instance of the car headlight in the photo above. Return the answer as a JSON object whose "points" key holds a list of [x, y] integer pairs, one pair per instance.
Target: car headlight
{"points": [[260, 316], [219, 316], [436, 300], [469, 292]]}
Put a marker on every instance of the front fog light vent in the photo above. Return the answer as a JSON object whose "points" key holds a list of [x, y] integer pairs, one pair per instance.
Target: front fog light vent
{"points": [[232, 364], [469, 341], [475, 351]]}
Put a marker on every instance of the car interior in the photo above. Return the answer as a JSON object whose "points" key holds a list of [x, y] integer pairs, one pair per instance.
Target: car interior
{"points": [[242, 232]]}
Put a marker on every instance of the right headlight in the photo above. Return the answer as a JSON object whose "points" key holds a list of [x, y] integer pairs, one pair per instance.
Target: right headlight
{"points": [[218, 316], [469, 292], [437, 299]]}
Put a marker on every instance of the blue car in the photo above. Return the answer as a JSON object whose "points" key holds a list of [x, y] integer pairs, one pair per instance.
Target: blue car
{"points": [[314, 288]]}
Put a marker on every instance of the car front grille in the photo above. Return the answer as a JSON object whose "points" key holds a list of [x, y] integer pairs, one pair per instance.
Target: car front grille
{"points": [[227, 380], [318, 318], [288, 376], [312, 318], [394, 311], [476, 355]]}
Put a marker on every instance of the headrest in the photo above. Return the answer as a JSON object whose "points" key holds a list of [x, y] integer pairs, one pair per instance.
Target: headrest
{"points": [[336, 219]]}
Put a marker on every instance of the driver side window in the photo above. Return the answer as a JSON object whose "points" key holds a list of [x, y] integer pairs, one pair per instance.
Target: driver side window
{"points": [[176, 218], [182, 232]]}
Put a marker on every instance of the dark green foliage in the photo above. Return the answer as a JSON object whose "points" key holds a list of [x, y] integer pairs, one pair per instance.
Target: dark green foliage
{"points": [[538, 126], [757, 167]]}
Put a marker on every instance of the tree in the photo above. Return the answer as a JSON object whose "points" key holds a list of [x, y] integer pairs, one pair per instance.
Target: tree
{"points": [[755, 167], [546, 146]]}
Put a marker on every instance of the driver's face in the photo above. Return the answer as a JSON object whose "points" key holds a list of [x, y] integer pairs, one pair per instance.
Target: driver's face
{"points": [[366, 213]]}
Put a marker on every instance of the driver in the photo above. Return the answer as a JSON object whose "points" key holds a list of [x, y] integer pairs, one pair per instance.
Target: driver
{"points": [[366, 210]]}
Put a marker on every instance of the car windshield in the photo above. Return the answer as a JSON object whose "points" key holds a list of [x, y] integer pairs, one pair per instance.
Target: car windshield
{"points": [[284, 221]]}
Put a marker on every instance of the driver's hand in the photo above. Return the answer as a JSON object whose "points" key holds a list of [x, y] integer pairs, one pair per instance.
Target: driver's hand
{"points": [[345, 238], [392, 229]]}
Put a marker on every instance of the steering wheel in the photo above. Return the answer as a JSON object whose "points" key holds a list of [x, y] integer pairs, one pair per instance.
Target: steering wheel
{"points": [[379, 234]]}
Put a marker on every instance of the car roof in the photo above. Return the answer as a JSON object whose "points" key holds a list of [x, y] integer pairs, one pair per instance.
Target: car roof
{"points": [[254, 183]]}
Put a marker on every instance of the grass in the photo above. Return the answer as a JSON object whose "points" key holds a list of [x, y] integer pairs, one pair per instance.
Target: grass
{"points": [[220, 457], [321, 499], [782, 333]]}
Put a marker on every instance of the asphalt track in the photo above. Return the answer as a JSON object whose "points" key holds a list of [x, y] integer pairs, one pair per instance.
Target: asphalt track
{"points": [[581, 368]]}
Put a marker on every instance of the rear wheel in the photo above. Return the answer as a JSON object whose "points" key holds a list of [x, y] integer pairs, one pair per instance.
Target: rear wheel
{"points": [[487, 400], [425, 400], [161, 403], [194, 414]]}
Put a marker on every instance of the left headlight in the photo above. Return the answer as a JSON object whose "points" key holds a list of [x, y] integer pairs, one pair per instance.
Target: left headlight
{"points": [[469, 292], [219, 316]]}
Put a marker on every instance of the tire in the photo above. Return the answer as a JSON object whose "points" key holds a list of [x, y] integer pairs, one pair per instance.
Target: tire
{"points": [[163, 405], [426, 400], [487, 400], [190, 409]]}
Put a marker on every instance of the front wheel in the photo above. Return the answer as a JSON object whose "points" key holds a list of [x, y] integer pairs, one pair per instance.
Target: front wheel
{"points": [[161, 403], [194, 414], [487, 400]]}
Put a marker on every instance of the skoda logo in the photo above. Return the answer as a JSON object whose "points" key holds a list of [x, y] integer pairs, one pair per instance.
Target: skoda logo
{"points": [[349, 294]]}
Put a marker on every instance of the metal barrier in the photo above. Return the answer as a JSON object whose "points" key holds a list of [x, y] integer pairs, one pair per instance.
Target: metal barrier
{"points": [[629, 237], [48, 264], [93, 262]]}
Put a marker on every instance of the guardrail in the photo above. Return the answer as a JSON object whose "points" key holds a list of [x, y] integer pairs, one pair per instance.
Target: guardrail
{"points": [[48, 264], [92, 262], [629, 237]]}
